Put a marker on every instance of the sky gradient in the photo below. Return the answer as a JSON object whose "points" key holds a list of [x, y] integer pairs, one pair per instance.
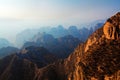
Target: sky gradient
{"points": [[17, 15]]}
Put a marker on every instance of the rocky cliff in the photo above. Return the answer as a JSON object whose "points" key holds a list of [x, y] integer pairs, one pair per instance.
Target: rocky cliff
{"points": [[96, 59], [112, 27], [99, 57], [110, 30]]}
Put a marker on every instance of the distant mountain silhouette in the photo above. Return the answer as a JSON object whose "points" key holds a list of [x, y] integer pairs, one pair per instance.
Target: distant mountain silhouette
{"points": [[97, 58], [38, 55], [4, 43], [61, 47], [74, 31], [25, 35], [5, 51], [57, 32]]}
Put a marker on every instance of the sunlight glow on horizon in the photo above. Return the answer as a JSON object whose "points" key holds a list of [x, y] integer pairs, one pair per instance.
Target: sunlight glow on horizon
{"points": [[17, 15]]}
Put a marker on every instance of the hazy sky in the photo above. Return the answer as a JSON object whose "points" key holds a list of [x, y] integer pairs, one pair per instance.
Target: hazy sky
{"points": [[17, 15]]}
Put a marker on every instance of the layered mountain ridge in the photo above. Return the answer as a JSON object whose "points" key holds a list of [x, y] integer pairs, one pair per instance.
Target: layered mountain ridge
{"points": [[4, 43], [61, 47], [57, 32], [96, 59]]}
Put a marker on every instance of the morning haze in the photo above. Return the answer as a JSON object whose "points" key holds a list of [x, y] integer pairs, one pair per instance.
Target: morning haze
{"points": [[17, 15]]}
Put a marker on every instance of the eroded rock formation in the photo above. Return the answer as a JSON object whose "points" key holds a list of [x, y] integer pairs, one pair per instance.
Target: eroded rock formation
{"points": [[97, 59], [112, 27]]}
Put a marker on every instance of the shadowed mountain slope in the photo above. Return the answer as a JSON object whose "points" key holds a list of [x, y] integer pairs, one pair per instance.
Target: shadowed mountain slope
{"points": [[96, 59]]}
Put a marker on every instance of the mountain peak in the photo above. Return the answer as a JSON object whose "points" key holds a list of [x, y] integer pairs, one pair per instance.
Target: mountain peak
{"points": [[111, 28], [118, 13]]}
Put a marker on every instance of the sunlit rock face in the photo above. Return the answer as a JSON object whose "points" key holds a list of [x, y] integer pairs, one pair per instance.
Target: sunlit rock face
{"points": [[99, 58], [110, 30], [112, 27], [96, 38], [96, 59]]}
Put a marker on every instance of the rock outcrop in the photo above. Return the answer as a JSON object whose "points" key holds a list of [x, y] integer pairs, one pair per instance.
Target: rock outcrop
{"points": [[112, 27], [99, 57], [96, 59], [110, 30]]}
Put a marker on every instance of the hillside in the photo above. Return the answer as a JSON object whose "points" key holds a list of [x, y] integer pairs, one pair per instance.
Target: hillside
{"points": [[61, 47], [5, 51], [96, 59]]}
